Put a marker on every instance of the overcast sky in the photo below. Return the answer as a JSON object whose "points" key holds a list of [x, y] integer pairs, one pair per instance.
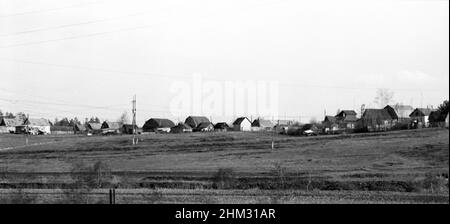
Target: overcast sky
{"points": [[88, 58]]}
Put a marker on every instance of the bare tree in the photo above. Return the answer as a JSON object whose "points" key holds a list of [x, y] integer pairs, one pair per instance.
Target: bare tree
{"points": [[383, 97], [124, 118]]}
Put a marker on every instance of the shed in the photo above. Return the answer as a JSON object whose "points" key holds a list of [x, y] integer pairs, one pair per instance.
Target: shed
{"points": [[194, 121], [158, 124], [242, 124], [221, 126]]}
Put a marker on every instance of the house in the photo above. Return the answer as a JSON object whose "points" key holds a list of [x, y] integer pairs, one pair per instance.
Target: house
{"points": [[346, 119], [205, 127], [242, 124], [79, 129], [330, 124], [376, 120], [221, 126], [34, 126], [402, 112], [262, 125], [158, 125], [109, 127], [94, 128], [8, 125], [420, 117], [194, 121], [181, 128]]}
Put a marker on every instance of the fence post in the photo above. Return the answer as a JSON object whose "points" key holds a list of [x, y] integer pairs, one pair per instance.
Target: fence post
{"points": [[110, 197]]}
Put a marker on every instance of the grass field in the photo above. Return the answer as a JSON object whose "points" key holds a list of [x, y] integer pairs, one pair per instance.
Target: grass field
{"points": [[389, 167]]}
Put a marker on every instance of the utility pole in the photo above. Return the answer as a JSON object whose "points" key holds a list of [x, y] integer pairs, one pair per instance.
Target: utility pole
{"points": [[135, 141]]}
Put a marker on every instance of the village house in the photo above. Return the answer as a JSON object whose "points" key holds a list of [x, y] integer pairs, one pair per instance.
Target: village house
{"points": [[110, 127], [79, 129], [242, 124], [346, 119], [181, 128], [40, 126], [94, 128], [376, 120], [8, 125], [329, 124], [420, 117], [262, 125], [158, 125], [221, 127], [205, 127], [195, 121]]}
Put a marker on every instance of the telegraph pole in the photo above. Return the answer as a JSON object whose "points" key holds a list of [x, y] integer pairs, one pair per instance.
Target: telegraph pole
{"points": [[134, 120]]}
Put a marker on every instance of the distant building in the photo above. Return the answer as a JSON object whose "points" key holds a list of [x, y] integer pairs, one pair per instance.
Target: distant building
{"points": [[346, 119], [205, 127], [402, 112], [195, 121], [181, 128], [221, 126], [129, 128], [420, 117], [262, 125], [376, 120], [109, 127], [158, 125], [329, 124], [242, 124], [34, 126], [94, 128], [79, 129], [8, 125]]}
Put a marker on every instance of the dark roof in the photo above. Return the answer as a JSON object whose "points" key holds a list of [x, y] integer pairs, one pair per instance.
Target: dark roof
{"points": [[391, 112], [347, 112], [194, 121], [262, 123], [421, 112], [240, 120], [331, 119], [158, 123], [221, 125], [373, 114]]}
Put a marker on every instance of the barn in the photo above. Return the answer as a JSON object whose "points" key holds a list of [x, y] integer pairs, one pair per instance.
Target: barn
{"points": [[376, 120], [79, 129], [242, 124], [158, 125], [181, 128], [94, 128], [109, 127], [262, 125], [8, 125], [195, 121], [420, 117]]}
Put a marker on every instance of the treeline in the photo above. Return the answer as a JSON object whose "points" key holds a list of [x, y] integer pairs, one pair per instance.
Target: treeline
{"points": [[74, 121]]}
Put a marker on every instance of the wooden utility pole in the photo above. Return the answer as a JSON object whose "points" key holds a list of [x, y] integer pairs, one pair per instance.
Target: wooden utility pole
{"points": [[135, 141]]}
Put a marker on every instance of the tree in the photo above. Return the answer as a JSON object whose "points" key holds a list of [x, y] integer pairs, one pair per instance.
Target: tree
{"points": [[124, 118], [383, 97], [444, 108]]}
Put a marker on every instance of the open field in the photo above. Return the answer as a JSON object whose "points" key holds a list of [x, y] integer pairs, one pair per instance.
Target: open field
{"points": [[389, 167]]}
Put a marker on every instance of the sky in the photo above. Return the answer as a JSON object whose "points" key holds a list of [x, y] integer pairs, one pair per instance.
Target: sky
{"points": [[88, 58]]}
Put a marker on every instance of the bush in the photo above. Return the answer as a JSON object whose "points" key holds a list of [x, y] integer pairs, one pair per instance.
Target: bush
{"points": [[224, 179]]}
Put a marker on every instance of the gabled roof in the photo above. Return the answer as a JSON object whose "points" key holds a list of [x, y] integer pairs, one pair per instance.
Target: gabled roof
{"points": [[240, 120], [204, 125], [421, 112], [111, 125], [94, 126], [158, 123], [331, 119], [11, 122], [221, 125], [194, 121], [373, 114], [347, 112], [37, 122], [262, 123]]}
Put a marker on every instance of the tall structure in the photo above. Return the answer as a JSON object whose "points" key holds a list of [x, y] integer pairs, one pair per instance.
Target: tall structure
{"points": [[134, 120]]}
